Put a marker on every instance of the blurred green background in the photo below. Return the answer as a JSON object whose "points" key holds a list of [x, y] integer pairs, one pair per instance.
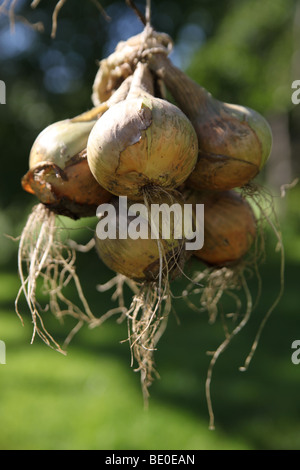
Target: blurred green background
{"points": [[243, 51]]}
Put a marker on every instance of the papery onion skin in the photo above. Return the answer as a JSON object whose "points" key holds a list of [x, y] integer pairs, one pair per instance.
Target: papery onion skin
{"points": [[142, 142], [121, 63], [59, 142], [236, 147], [72, 192], [234, 141], [59, 175]]}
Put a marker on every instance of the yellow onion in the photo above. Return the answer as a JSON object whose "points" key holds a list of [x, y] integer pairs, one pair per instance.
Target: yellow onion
{"points": [[234, 141], [59, 175], [142, 259], [60, 142], [142, 141], [229, 226]]}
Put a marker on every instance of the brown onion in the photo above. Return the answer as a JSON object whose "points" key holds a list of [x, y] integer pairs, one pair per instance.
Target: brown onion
{"points": [[229, 226], [234, 141]]}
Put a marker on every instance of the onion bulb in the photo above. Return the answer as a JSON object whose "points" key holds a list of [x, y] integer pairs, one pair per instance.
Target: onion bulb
{"points": [[142, 141], [234, 141], [58, 171], [142, 257], [229, 226]]}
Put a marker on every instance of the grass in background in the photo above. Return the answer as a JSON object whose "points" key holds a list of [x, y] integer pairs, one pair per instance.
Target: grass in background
{"points": [[89, 399]]}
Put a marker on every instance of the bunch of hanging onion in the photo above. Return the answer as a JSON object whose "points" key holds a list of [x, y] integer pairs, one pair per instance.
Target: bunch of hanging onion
{"points": [[137, 143]]}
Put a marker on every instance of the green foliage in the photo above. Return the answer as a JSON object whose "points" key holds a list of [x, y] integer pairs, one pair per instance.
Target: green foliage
{"points": [[248, 60]]}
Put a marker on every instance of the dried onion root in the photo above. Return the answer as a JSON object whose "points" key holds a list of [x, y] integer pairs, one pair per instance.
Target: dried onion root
{"points": [[44, 255], [146, 316], [213, 283], [9, 10], [263, 201], [147, 319]]}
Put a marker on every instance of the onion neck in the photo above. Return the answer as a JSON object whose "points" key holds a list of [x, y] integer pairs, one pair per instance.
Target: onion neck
{"points": [[142, 82], [190, 96]]}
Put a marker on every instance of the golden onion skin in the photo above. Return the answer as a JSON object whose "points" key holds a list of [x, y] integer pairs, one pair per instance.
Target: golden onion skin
{"points": [[59, 142], [142, 142], [229, 226], [234, 141]]}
